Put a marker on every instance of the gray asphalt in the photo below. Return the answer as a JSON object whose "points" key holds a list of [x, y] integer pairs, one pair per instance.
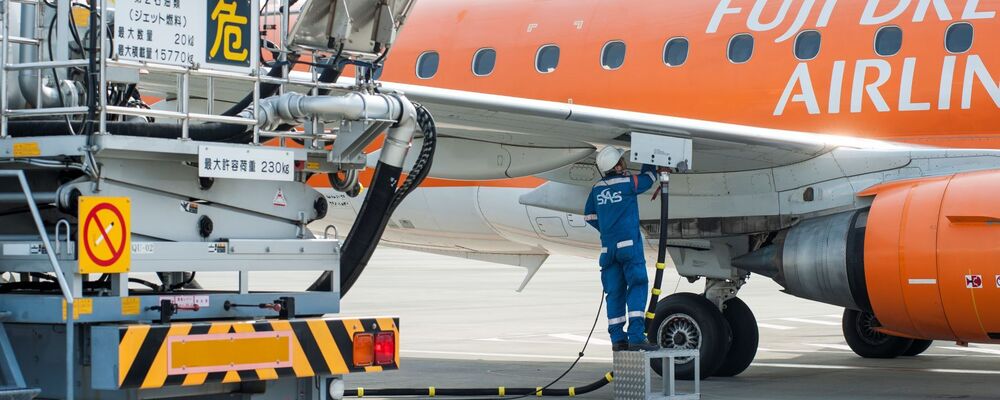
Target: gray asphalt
{"points": [[464, 325]]}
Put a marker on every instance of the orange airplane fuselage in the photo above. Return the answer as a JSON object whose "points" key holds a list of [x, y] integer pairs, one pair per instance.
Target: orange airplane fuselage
{"points": [[922, 94]]}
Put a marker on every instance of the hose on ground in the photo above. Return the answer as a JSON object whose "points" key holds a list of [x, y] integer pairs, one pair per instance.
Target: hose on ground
{"points": [[502, 392], [499, 391]]}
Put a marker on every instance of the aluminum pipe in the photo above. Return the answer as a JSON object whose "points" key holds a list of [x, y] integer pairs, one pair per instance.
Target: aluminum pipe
{"points": [[292, 108], [400, 136], [27, 79]]}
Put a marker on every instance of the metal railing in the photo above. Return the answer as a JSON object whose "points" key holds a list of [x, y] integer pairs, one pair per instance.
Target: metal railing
{"points": [[275, 14], [67, 294]]}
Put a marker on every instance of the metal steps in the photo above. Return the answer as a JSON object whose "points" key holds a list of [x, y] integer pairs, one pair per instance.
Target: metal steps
{"points": [[634, 376]]}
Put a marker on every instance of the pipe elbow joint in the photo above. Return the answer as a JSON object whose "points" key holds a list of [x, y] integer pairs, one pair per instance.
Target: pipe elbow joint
{"points": [[400, 136]]}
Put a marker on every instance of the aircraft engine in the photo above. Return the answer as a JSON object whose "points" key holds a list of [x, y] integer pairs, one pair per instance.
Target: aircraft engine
{"points": [[820, 259], [920, 258]]}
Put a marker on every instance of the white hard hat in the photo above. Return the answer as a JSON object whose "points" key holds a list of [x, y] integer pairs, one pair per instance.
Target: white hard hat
{"points": [[608, 158]]}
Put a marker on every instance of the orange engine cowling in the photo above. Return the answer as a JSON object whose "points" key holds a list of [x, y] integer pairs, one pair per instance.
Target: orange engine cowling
{"points": [[932, 257]]}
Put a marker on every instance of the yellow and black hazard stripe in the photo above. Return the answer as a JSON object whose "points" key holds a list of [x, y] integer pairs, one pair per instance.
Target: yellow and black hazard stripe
{"points": [[314, 347]]}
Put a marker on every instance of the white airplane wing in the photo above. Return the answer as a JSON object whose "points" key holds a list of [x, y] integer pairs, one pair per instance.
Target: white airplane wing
{"points": [[718, 147], [526, 126]]}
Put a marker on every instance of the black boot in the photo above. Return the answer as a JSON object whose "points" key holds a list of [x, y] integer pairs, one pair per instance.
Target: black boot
{"points": [[645, 345], [619, 346]]}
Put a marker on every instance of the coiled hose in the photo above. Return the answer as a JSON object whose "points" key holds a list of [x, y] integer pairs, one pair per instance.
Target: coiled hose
{"points": [[382, 199]]}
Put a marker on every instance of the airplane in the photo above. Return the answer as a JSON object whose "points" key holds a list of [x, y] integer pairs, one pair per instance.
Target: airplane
{"points": [[841, 148]]}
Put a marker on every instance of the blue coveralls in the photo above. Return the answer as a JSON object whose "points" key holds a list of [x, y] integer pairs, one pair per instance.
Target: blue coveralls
{"points": [[613, 209]]}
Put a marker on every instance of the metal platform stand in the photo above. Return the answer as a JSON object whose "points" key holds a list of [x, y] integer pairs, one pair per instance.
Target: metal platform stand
{"points": [[633, 375]]}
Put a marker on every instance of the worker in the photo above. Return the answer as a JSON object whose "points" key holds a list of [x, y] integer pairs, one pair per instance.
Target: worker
{"points": [[613, 209]]}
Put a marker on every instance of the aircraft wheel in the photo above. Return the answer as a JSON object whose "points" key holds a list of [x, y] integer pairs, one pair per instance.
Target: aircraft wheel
{"points": [[745, 338], [690, 321], [866, 341], [918, 347]]}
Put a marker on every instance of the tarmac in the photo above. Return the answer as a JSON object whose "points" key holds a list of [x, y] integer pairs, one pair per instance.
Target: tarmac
{"points": [[463, 325]]}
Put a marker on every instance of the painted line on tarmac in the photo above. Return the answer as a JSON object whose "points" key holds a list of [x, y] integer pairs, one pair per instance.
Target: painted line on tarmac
{"points": [[580, 338], [858, 367], [831, 346], [505, 355], [761, 364], [775, 327], [972, 350], [851, 352], [811, 321]]}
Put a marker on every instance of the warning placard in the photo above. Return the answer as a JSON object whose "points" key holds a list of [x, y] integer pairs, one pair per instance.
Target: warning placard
{"points": [[105, 238], [215, 34]]}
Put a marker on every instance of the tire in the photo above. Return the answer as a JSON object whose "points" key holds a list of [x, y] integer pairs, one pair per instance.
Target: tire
{"points": [[918, 347], [861, 336], [746, 337], [699, 324]]}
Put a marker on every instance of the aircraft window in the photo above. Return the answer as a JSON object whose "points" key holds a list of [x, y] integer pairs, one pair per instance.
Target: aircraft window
{"points": [[484, 62], [675, 52], [547, 58], [427, 65], [959, 38], [741, 48], [807, 45], [613, 55], [888, 41]]}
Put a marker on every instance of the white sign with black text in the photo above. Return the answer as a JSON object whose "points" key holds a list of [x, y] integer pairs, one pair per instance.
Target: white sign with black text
{"points": [[244, 163], [214, 34]]}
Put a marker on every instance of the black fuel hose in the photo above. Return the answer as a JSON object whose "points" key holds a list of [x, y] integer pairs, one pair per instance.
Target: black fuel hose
{"points": [[502, 391], [661, 259], [383, 197], [498, 391], [266, 89], [209, 132]]}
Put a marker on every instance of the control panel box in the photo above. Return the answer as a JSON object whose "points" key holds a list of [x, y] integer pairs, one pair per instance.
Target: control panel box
{"points": [[663, 151]]}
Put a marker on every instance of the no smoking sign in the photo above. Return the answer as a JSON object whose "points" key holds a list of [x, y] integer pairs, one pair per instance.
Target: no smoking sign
{"points": [[105, 239]]}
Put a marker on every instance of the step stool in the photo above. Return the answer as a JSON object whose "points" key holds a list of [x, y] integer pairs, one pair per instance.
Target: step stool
{"points": [[633, 375], [19, 394]]}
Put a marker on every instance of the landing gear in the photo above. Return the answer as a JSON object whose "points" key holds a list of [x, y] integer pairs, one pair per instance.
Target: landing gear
{"points": [[862, 335], [918, 347], [745, 338], [690, 321]]}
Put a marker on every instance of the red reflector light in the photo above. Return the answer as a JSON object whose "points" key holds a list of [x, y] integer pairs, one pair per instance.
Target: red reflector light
{"points": [[364, 349], [385, 348]]}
